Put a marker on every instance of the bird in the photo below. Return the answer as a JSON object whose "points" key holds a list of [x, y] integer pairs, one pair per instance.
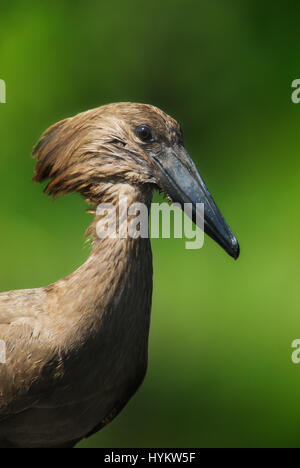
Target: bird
{"points": [[77, 350]]}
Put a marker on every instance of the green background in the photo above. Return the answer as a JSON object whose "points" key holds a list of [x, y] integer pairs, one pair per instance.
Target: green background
{"points": [[220, 371]]}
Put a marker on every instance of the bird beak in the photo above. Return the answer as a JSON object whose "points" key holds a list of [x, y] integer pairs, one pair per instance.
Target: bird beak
{"points": [[180, 179]]}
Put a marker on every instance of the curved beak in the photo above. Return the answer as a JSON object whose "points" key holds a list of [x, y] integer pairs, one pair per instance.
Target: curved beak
{"points": [[179, 178]]}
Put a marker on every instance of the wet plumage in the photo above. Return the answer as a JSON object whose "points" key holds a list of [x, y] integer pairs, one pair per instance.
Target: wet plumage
{"points": [[77, 349]]}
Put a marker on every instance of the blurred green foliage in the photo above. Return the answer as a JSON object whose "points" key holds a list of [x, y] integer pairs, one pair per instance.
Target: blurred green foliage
{"points": [[220, 371]]}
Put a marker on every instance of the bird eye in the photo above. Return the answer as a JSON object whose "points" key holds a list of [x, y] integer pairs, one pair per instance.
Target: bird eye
{"points": [[144, 133]]}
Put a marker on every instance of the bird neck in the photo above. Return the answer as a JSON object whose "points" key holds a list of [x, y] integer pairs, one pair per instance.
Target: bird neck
{"points": [[116, 280], [117, 215]]}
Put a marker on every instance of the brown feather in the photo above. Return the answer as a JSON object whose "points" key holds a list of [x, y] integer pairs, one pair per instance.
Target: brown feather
{"points": [[77, 349]]}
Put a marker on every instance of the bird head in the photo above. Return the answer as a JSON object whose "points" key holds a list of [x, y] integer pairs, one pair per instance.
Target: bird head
{"points": [[137, 144]]}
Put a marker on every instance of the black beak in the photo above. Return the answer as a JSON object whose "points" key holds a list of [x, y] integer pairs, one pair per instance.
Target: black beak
{"points": [[180, 179]]}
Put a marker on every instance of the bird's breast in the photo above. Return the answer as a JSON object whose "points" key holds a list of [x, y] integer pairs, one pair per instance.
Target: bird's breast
{"points": [[108, 358]]}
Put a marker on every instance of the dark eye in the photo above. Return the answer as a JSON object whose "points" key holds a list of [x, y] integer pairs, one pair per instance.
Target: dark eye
{"points": [[144, 133]]}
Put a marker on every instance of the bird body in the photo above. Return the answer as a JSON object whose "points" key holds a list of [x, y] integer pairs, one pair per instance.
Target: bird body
{"points": [[96, 352], [77, 350]]}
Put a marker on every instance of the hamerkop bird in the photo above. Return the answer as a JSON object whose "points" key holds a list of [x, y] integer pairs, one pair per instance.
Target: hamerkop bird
{"points": [[76, 351]]}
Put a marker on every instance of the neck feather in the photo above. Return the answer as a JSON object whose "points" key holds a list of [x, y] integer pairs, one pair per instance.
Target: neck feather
{"points": [[117, 277]]}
